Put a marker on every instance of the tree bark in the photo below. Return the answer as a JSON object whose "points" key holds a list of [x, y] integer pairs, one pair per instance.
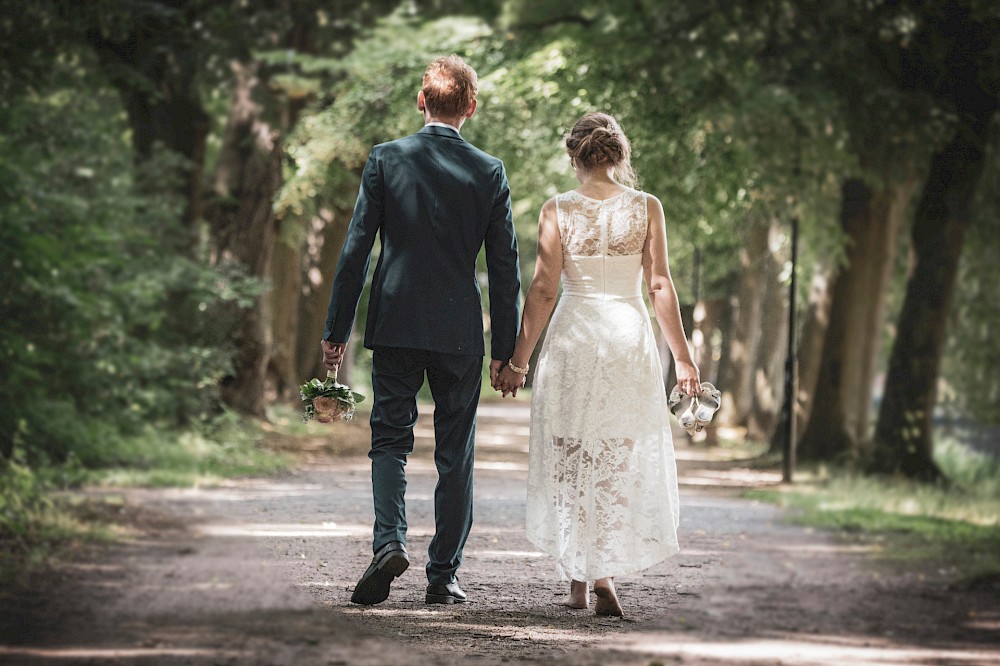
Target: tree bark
{"points": [[903, 435], [287, 270], [810, 347], [326, 238], [708, 318], [247, 178], [736, 376], [285, 293], [769, 357], [872, 221]]}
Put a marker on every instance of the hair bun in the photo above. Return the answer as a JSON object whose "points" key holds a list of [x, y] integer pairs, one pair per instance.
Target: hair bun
{"points": [[602, 146], [596, 140]]}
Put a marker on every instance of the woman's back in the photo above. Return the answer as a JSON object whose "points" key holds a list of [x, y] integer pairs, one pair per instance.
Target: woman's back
{"points": [[602, 243]]}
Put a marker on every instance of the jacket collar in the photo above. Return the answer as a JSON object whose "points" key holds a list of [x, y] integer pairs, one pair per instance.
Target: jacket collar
{"points": [[437, 130]]}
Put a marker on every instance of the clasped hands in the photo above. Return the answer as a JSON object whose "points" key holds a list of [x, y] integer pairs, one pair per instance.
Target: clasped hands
{"points": [[505, 380], [502, 378]]}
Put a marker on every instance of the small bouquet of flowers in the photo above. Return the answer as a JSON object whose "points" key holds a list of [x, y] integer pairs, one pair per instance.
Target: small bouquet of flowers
{"points": [[328, 400]]}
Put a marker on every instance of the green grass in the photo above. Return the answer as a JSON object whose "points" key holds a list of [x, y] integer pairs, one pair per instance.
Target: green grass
{"points": [[34, 524], [229, 447], [37, 521], [955, 526]]}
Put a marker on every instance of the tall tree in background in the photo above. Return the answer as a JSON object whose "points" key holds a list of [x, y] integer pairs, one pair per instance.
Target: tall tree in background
{"points": [[872, 221], [955, 56], [154, 57]]}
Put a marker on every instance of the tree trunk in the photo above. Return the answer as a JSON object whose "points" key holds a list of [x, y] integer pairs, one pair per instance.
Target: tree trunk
{"points": [[155, 71], [284, 295], [903, 436], [769, 356], [708, 318], [736, 376], [287, 269], [326, 238], [872, 221], [810, 347], [286, 272], [247, 178]]}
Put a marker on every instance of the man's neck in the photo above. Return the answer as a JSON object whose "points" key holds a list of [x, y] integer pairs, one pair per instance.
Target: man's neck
{"points": [[454, 123]]}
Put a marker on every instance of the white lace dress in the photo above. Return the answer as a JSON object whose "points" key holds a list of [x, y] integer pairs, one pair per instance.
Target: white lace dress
{"points": [[602, 481]]}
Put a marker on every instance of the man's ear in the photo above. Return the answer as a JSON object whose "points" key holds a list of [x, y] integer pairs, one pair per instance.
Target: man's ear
{"points": [[472, 110], [421, 102]]}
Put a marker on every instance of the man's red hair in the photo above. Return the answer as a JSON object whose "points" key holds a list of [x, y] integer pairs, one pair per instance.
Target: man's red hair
{"points": [[449, 87]]}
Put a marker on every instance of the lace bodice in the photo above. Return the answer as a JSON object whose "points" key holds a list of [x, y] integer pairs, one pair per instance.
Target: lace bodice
{"points": [[602, 244], [610, 227]]}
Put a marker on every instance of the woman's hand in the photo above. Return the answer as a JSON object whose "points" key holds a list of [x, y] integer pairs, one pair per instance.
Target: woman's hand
{"points": [[509, 381], [688, 378]]}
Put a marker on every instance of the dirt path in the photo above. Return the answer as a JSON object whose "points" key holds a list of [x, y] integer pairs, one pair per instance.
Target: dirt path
{"points": [[260, 572]]}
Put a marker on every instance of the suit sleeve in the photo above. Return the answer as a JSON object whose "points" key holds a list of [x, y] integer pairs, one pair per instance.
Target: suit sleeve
{"points": [[504, 272], [352, 267]]}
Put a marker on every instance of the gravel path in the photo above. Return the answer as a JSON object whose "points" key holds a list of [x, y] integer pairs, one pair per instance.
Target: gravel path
{"points": [[260, 572]]}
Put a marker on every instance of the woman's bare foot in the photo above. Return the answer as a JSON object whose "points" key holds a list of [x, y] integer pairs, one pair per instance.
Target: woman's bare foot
{"points": [[607, 599], [579, 596]]}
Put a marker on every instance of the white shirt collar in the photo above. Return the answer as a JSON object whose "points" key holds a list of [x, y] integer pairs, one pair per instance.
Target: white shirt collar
{"points": [[435, 123]]}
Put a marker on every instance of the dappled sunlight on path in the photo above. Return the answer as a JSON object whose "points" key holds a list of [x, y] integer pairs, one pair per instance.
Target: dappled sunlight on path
{"points": [[261, 572]]}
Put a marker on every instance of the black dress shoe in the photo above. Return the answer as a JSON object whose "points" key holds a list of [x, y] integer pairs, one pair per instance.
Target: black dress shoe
{"points": [[389, 562], [445, 594]]}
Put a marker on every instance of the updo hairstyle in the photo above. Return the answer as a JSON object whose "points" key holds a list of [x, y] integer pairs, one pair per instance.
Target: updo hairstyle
{"points": [[597, 140]]}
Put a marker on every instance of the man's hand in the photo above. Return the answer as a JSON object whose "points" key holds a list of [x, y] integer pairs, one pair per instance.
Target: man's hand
{"points": [[333, 354], [495, 366]]}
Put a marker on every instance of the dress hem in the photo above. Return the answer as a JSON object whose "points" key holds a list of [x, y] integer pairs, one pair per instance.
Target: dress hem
{"points": [[641, 565]]}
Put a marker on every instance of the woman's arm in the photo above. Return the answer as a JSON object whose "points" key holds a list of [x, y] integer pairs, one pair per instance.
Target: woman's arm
{"points": [[540, 300], [663, 296]]}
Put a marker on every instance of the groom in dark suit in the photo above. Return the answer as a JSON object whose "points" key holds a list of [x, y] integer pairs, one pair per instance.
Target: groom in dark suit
{"points": [[434, 200]]}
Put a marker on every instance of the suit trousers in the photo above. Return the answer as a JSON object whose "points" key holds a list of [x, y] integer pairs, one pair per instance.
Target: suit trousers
{"points": [[455, 382]]}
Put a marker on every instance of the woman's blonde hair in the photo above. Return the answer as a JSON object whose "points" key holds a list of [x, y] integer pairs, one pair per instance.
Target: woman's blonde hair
{"points": [[597, 140]]}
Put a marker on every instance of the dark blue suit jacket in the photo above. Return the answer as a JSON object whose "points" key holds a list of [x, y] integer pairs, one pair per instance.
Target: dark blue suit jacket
{"points": [[434, 199]]}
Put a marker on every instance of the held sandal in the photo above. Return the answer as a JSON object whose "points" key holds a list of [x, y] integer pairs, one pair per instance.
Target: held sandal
{"points": [[708, 404], [683, 406]]}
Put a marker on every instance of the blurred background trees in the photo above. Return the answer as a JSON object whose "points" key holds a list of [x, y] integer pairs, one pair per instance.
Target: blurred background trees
{"points": [[177, 177]]}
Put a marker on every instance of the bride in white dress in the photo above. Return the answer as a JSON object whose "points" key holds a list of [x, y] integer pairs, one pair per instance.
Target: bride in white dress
{"points": [[602, 481]]}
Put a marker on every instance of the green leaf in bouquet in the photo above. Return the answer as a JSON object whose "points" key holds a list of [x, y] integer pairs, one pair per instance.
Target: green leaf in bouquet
{"points": [[358, 397]]}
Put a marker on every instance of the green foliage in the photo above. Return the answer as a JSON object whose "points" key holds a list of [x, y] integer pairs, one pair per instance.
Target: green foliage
{"points": [[34, 525], [226, 446], [104, 327], [708, 125], [22, 501], [963, 454], [973, 353]]}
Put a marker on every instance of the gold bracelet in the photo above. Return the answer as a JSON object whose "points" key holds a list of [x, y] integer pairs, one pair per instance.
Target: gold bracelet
{"points": [[520, 371]]}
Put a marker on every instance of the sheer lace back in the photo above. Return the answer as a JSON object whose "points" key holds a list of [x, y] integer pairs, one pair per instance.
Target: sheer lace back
{"points": [[610, 227]]}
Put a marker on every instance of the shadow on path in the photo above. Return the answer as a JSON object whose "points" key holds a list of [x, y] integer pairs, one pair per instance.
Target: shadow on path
{"points": [[260, 572]]}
